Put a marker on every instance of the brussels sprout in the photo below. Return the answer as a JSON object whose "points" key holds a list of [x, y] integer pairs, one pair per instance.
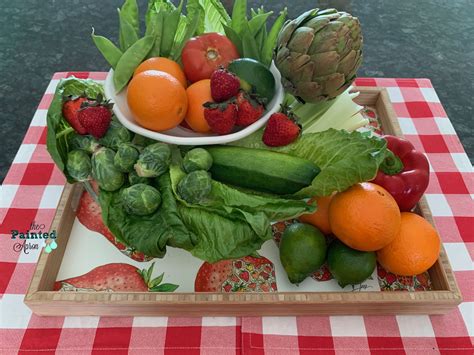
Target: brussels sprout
{"points": [[115, 135], [142, 141], [140, 199], [154, 160], [86, 143], [126, 157], [197, 159], [79, 165], [104, 171], [134, 179], [195, 186]]}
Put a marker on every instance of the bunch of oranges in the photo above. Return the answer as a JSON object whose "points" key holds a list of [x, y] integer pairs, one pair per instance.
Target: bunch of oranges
{"points": [[365, 217], [159, 99]]}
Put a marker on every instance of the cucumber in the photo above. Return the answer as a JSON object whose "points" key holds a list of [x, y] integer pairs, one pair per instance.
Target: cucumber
{"points": [[261, 170]]}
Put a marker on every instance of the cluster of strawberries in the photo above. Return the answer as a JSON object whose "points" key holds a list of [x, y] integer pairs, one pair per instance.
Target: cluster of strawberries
{"points": [[233, 107], [88, 116]]}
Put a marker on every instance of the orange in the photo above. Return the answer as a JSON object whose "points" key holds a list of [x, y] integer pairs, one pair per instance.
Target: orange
{"points": [[157, 100], [163, 64], [415, 248], [198, 94], [320, 218], [364, 217]]}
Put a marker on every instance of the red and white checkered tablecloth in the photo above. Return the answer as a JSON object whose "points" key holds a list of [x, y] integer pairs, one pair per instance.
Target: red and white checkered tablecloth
{"points": [[31, 190]]}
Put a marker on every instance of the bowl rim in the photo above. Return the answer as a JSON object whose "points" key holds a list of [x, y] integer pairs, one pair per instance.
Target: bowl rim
{"points": [[110, 94]]}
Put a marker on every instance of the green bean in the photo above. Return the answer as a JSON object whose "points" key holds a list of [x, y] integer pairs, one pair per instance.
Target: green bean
{"points": [[130, 11], [109, 50], [128, 36], [130, 60]]}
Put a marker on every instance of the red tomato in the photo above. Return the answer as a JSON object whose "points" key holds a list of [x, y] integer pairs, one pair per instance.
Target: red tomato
{"points": [[203, 54]]}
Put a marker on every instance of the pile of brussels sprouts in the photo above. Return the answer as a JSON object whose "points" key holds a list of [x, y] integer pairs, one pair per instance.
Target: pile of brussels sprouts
{"points": [[121, 161]]}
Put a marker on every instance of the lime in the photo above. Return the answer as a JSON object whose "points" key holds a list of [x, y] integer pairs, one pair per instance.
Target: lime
{"points": [[254, 74], [349, 266], [302, 251]]}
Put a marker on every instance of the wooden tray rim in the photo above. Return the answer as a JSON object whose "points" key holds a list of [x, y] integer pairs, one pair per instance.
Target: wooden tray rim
{"points": [[192, 303]]}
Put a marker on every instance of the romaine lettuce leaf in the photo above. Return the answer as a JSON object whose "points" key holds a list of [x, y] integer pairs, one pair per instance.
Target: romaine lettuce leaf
{"points": [[344, 159], [58, 128], [149, 234], [219, 237]]}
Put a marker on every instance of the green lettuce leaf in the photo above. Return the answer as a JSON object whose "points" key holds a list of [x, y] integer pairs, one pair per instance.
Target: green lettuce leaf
{"points": [[344, 159], [59, 130], [149, 234], [219, 237]]}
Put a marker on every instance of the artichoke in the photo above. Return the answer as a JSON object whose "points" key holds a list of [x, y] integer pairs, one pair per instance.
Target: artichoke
{"points": [[318, 54]]}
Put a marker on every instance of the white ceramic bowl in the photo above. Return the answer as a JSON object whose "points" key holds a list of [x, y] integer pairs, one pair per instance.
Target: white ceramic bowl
{"points": [[183, 136]]}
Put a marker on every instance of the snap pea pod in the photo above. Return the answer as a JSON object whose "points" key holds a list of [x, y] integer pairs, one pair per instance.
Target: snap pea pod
{"points": [[130, 60], [190, 30], [128, 36], [170, 24], [156, 29], [270, 42], [130, 11], [108, 50]]}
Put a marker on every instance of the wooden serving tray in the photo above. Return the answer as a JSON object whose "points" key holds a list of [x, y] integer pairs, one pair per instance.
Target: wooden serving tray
{"points": [[444, 296]]}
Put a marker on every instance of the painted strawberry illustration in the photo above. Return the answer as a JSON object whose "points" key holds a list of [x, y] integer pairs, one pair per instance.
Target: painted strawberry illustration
{"points": [[248, 274], [116, 277], [89, 214]]}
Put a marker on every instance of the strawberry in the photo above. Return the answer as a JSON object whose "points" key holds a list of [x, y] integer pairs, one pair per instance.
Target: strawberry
{"points": [[220, 116], [70, 112], [116, 277], [280, 130], [249, 109], [233, 276], [95, 116], [224, 85], [89, 214]]}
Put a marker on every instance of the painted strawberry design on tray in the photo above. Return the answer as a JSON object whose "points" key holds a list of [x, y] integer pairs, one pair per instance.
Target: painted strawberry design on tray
{"points": [[116, 277], [248, 274], [89, 214], [392, 282]]}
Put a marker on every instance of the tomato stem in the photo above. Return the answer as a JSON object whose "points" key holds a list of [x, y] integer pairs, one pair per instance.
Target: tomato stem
{"points": [[212, 54]]}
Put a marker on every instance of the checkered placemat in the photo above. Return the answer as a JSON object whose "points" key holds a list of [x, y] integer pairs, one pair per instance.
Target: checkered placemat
{"points": [[31, 191]]}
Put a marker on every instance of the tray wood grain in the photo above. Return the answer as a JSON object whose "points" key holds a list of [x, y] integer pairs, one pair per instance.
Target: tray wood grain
{"points": [[42, 301]]}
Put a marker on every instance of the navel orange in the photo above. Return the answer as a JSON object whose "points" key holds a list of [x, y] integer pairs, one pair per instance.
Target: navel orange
{"points": [[157, 100], [320, 218], [364, 217], [163, 64], [415, 248], [198, 94]]}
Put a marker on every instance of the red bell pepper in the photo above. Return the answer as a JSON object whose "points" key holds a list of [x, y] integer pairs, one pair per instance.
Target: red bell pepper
{"points": [[404, 173]]}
